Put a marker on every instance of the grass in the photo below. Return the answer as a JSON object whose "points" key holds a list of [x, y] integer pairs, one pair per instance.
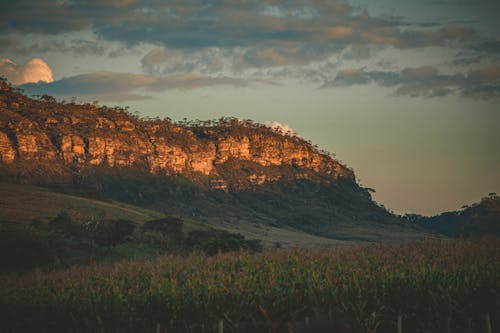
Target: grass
{"points": [[25, 203], [434, 285]]}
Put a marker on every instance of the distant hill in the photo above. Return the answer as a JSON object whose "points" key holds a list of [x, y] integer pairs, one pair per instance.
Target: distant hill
{"points": [[479, 219], [229, 173]]}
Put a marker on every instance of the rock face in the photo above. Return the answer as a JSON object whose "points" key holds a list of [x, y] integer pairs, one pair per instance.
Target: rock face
{"points": [[78, 136]]}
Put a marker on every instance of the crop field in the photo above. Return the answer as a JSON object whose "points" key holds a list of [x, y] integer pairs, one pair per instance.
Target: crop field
{"points": [[422, 286]]}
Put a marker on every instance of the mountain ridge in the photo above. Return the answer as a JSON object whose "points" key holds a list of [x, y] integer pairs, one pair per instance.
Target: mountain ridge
{"points": [[227, 173], [80, 135]]}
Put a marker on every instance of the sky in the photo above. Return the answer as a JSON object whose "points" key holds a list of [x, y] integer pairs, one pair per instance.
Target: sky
{"points": [[407, 93]]}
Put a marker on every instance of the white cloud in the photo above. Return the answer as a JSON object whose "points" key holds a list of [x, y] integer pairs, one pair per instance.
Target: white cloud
{"points": [[33, 71], [280, 128]]}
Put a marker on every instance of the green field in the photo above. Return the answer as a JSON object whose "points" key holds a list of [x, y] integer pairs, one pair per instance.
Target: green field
{"points": [[428, 286]]}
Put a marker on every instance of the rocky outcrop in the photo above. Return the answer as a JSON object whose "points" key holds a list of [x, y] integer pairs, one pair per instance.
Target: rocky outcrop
{"points": [[73, 149], [30, 142], [78, 136], [7, 152]]}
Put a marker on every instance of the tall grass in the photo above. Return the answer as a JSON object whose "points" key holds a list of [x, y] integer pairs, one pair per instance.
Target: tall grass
{"points": [[434, 285]]}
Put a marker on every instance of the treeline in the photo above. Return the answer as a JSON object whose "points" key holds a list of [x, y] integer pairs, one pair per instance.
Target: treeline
{"points": [[476, 220], [62, 242]]}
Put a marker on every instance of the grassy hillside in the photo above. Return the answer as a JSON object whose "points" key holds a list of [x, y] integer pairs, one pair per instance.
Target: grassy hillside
{"points": [[25, 203], [40, 228], [334, 213], [43, 228]]}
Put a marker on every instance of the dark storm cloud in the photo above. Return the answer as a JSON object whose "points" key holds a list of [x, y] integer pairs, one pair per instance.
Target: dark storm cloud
{"points": [[426, 81], [124, 86]]}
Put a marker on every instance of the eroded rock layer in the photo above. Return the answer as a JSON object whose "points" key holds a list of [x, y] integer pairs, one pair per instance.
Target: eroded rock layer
{"points": [[225, 153]]}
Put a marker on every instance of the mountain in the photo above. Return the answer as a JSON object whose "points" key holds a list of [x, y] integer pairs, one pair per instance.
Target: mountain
{"points": [[75, 136], [230, 173], [482, 218]]}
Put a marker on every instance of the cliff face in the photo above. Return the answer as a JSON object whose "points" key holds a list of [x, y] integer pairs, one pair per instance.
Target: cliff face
{"points": [[267, 178], [77, 136]]}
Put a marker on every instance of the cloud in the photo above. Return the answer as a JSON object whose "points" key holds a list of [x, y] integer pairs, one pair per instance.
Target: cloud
{"points": [[280, 128], [34, 70], [483, 83], [271, 56], [350, 76], [426, 81], [488, 46], [113, 86], [225, 23], [152, 61], [281, 11], [163, 61], [298, 39], [43, 16], [41, 44]]}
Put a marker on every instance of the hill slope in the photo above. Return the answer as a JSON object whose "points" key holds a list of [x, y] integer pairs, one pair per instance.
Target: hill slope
{"points": [[40, 228], [228, 173], [25, 203]]}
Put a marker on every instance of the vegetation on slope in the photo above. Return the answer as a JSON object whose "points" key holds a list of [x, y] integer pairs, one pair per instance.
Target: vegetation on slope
{"points": [[44, 229], [482, 218]]}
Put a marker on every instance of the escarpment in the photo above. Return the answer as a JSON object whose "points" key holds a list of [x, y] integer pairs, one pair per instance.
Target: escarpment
{"points": [[225, 172], [224, 153]]}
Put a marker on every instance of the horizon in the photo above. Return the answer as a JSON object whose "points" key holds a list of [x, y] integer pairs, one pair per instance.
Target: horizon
{"points": [[407, 94]]}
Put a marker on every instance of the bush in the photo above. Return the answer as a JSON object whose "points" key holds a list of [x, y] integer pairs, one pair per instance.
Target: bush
{"points": [[21, 250], [110, 233], [213, 242]]}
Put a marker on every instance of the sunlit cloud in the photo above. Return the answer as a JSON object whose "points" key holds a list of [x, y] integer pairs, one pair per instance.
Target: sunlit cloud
{"points": [[280, 128], [34, 70]]}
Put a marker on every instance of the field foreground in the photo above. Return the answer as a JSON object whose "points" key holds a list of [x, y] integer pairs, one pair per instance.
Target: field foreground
{"points": [[425, 286]]}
